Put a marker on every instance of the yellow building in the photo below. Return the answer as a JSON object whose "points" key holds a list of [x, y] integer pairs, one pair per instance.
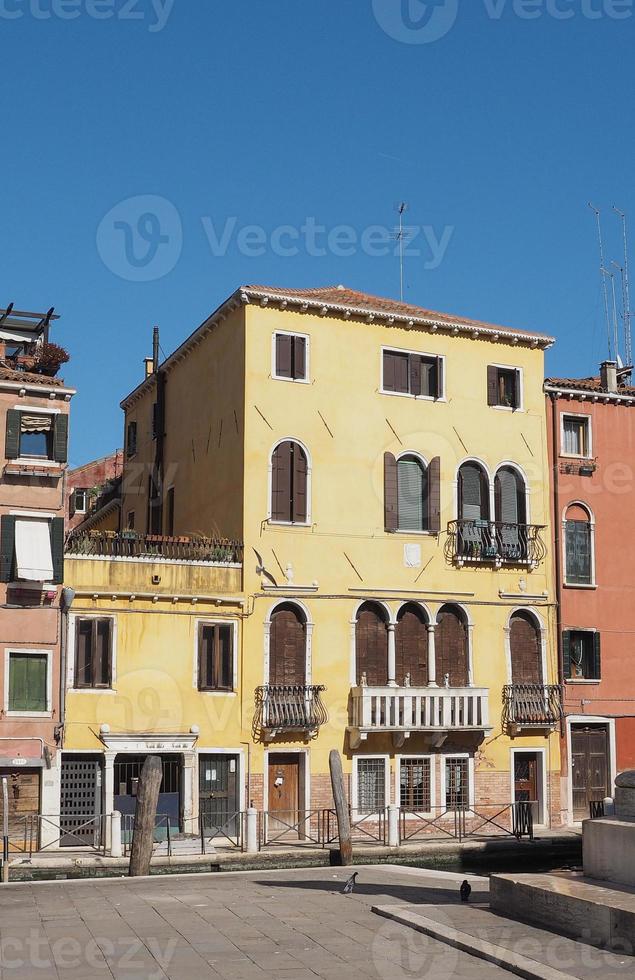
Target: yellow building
{"points": [[386, 469]]}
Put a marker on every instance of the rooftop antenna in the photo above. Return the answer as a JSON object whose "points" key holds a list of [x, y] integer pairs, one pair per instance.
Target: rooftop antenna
{"points": [[603, 274], [402, 207], [611, 276], [626, 297]]}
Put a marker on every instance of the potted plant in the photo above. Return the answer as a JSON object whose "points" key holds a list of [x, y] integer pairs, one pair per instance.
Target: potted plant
{"points": [[49, 358]]}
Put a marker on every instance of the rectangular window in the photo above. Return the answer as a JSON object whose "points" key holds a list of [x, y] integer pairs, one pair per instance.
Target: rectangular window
{"points": [[130, 520], [216, 657], [576, 436], [457, 783], [131, 439], [371, 785], [415, 784], [80, 501], [36, 435], [155, 509], [155, 419], [93, 653], [504, 388], [409, 373], [31, 550], [290, 357], [28, 682], [581, 650], [579, 566]]}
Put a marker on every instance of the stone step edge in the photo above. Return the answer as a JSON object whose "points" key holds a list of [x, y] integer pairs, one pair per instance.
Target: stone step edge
{"points": [[521, 966], [590, 891]]}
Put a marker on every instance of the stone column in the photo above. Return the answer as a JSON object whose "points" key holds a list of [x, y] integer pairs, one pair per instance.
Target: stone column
{"points": [[392, 668], [190, 792], [432, 658], [50, 806], [109, 792]]}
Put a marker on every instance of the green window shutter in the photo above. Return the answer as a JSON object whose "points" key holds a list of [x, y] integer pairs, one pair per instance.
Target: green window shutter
{"points": [[60, 439], [434, 494], [597, 666], [57, 549], [12, 441], [391, 493], [566, 652], [17, 682], [7, 546], [36, 683], [27, 682]]}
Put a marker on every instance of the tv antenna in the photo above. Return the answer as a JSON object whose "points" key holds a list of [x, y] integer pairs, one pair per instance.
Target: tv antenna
{"points": [[626, 297], [603, 273], [611, 275], [402, 207]]}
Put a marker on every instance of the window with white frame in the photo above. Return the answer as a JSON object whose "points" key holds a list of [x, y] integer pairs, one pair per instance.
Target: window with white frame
{"points": [[79, 503], [457, 782], [412, 373], [415, 784], [215, 657], [93, 652], [290, 357], [371, 785], [576, 436], [28, 682]]}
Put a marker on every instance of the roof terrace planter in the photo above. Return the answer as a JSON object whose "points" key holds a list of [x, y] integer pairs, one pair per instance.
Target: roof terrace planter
{"points": [[532, 706], [153, 547], [483, 542], [283, 709]]}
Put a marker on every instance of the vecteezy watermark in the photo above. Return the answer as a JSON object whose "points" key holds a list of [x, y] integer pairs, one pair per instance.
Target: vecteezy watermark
{"points": [[425, 21], [140, 239], [129, 954], [155, 12]]}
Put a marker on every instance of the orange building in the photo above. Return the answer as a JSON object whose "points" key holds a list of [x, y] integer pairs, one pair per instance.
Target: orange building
{"points": [[591, 424]]}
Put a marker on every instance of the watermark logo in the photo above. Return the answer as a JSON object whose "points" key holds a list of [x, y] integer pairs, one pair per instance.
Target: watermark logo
{"points": [[416, 21], [155, 13], [141, 239]]}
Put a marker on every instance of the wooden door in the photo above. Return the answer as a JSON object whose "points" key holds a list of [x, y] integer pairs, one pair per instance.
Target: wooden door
{"points": [[218, 794], [284, 795], [589, 767]]}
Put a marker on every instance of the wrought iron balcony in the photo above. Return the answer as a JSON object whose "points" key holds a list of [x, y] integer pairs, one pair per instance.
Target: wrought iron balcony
{"points": [[495, 543], [402, 711], [289, 708], [152, 547], [532, 706]]}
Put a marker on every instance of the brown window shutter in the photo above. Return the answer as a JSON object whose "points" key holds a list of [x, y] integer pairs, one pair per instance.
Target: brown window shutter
{"points": [[439, 378], [83, 653], [299, 515], [283, 355], [451, 649], [411, 647], [205, 654], [525, 648], [391, 493], [287, 648], [299, 358], [492, 385], [388, 381], [414, 370], [518, 395], [225, 657], [103, 653], [371, 646], [281, 483], [434, 494]]}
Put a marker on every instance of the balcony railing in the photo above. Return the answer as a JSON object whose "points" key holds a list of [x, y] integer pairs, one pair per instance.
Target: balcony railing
{"points": [[532, 705], [130, 544], [404, 710], [495, 542], [289, 708]]}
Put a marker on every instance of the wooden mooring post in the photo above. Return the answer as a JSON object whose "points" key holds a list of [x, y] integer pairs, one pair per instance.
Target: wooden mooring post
{"points": [[145, 816], [341, 808], [5, 829]]}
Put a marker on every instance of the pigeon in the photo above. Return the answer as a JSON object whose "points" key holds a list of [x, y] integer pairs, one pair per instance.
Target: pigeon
{"points": [[350, 884], [466, 891]]}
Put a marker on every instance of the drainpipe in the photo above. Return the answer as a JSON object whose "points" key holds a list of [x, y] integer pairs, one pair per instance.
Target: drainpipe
{"points": [[557, 548], [66, 601]]}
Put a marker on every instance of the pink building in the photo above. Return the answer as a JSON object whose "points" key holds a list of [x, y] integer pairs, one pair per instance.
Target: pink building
{"points": [[34, 416], [92, 486]]}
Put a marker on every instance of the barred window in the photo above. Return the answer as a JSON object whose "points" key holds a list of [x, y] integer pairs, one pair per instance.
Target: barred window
{"points": [[371, 784], [414, 778], [457, 783]]}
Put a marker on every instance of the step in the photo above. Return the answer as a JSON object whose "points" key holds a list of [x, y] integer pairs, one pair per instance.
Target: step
{"points": [[572, 904]]}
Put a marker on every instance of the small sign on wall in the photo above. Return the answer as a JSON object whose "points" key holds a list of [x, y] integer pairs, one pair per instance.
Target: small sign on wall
{"points": [[412, 555]]}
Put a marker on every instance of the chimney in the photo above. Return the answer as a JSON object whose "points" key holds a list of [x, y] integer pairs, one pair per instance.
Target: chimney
{"points": [[149, 366], [608, 376]]}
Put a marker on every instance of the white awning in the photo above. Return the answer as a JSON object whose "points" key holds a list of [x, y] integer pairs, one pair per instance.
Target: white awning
{"points": [[34, 558]]}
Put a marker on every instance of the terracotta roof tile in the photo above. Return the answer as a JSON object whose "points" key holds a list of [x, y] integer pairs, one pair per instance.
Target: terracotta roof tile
{"points": [[8, 373], [355, 300], [587, 384]]}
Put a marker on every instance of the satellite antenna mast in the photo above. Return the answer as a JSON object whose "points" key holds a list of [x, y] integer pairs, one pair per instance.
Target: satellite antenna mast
{"points": [[402, 207], [616, 334], [626, 297], [603, 274]]}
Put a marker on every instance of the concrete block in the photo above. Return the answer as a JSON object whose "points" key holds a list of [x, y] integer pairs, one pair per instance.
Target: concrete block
{"points": [[609, 850]]}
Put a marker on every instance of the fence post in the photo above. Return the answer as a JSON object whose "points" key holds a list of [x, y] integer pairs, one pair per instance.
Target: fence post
{"points": [[393, 826], [116, 849], [252, 831]]}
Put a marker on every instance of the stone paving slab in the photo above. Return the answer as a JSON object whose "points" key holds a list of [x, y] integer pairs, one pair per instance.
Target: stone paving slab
{"points": [[557, 953]]}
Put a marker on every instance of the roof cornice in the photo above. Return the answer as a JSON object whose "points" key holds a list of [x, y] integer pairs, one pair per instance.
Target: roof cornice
{"points": [[586, 395], [37, 389]]}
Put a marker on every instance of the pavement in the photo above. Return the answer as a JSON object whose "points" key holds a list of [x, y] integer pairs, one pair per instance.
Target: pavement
{"points": [[266, 925]]}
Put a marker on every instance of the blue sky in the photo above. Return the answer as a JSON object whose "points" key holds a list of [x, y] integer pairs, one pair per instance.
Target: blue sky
{"points": [[252, 113]]}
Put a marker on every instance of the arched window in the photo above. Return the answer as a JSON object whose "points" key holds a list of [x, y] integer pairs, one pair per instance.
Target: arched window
{"points": [[525, 649], [289, 479], [473, 493], [371, 645], [412, 493], [578, 536], [511, 514], [411, 646], [451, 647], [287, 646]]}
